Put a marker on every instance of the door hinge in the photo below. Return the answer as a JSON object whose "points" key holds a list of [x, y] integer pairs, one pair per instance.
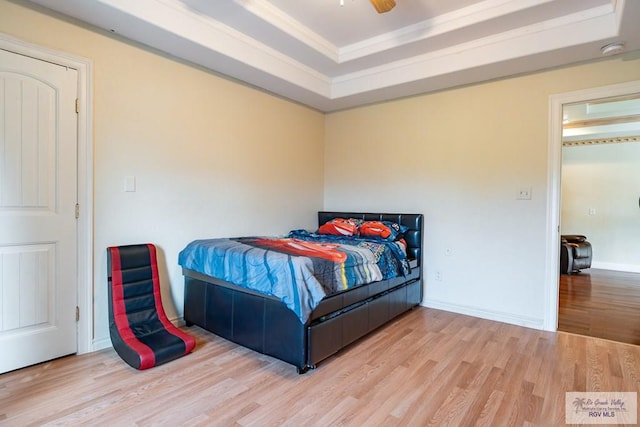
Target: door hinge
{"points": [[77, 210], [77, 105], [77, 313]]}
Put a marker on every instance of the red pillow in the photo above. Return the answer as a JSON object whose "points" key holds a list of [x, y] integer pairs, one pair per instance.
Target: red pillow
{"points": [[374, 229], [339, 227]]}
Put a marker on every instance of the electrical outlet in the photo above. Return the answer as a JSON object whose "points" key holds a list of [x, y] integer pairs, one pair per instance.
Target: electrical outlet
{"points": [[448, 251], [439, 276]]}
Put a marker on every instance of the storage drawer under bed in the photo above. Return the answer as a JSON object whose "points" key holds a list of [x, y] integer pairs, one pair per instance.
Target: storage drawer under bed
{"points": [[328, 336]]}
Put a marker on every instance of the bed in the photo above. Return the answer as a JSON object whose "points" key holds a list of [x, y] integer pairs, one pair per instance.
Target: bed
{"points": [[278, 327]]}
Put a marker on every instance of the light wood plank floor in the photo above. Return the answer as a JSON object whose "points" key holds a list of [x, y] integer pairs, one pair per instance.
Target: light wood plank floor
{"points": [[601, 303], [427, 368]]}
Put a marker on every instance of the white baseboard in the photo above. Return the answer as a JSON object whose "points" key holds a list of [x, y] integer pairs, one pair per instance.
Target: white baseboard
{"points": [[627, 268], [101, 343], [513, 319]]}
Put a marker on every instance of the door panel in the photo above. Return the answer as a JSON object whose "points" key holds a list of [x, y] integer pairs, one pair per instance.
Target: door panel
{"points": [[28, 273], [28, 157], [38, 193]]}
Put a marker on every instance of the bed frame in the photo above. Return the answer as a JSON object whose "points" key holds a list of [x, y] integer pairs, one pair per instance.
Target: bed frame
{"points": [[266, 325]]}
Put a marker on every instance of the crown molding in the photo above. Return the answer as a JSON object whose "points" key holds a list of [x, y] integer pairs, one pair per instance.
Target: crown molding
{"points": [[210, 35], [600, 141], [530, 40], [452, 49], [434, 27], [271, 14]]}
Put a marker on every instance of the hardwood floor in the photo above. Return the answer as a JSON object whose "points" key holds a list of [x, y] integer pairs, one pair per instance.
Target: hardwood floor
{"points": [[601, 303], [427, 368]]}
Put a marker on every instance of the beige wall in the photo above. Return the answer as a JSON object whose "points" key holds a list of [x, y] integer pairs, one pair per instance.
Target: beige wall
{"points": [[215, 158], [211, 157], [460, 156], [600, 191]]}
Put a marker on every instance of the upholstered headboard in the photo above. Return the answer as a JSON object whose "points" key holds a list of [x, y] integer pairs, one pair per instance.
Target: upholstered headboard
{"points": [[414, 223]]}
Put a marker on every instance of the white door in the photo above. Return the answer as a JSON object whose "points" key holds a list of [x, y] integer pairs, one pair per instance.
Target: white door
{"points": [[38, 181]]}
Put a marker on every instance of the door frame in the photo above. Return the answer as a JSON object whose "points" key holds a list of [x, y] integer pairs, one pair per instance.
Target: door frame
{"points": [[554, 197], [84, 274]]}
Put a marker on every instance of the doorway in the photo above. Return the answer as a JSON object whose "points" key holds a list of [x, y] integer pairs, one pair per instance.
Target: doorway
{"points": [[600, 189], [557, 105]]}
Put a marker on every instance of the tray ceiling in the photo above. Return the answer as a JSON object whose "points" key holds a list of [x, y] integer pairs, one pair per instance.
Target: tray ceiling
{"points": [[332, 57]]}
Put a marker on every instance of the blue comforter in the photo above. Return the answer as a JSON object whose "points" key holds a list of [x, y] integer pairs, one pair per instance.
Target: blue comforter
{"points": [[300, 269]]}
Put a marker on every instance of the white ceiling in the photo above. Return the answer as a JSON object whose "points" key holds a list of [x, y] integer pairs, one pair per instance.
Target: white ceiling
{"points": [[331, 57]]}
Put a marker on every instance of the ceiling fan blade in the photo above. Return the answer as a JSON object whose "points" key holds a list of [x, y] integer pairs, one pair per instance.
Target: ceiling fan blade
{"points": [[383, 6]]}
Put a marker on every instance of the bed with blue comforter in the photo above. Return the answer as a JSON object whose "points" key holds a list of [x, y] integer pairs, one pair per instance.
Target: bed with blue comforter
{"points": [[304, 296], [300, 269]]}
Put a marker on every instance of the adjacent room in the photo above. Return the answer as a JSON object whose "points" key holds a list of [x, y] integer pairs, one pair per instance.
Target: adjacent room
{"points": [[182, 120], [600, 202]]}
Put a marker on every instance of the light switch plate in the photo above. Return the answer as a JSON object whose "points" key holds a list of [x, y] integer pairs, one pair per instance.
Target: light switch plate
{"points": [[130, 184], [524, 193]]}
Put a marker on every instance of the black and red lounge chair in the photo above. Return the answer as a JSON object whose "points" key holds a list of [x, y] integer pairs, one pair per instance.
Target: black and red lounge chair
{"points": [[140, 331]]}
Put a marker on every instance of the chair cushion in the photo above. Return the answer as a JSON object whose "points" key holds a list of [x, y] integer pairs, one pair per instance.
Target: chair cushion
{"points": [[574, 238], [581, 250]]}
